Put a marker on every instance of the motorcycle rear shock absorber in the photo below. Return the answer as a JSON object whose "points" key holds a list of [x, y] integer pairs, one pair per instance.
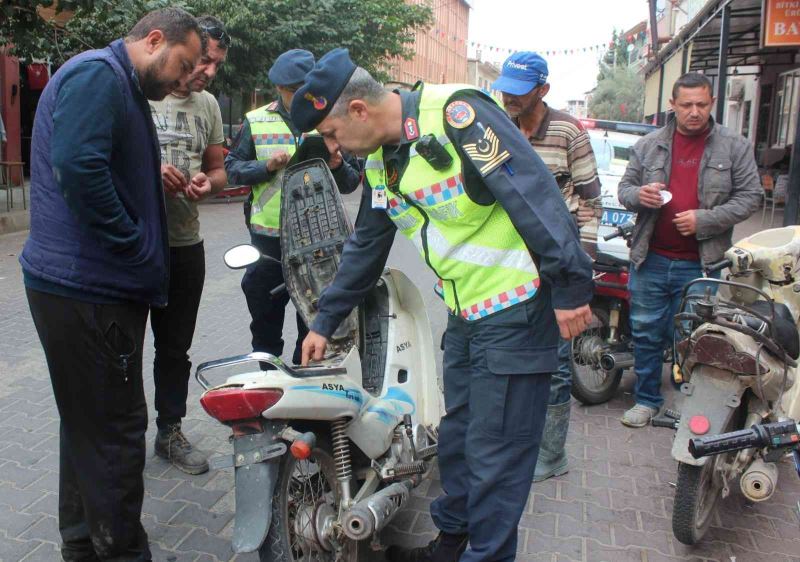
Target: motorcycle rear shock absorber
{"points": [[341, 457]]}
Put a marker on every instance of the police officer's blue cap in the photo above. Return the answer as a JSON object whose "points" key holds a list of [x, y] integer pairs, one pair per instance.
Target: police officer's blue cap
{"points": [[324, 84], [522, 72], [291, 67]]}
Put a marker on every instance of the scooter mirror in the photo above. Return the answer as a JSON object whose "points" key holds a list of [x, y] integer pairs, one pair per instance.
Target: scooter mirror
{"points": [[241, 256]]}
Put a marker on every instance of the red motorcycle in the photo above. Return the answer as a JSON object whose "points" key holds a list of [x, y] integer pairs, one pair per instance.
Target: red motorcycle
{"points": [[605, 349]]}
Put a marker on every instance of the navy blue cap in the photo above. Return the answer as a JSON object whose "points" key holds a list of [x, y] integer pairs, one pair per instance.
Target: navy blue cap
{"points": [[522, 72], [291, 67], [324, 84]]}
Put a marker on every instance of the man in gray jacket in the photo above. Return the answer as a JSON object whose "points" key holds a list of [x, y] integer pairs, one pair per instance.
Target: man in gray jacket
{"points": [[690, 183]]}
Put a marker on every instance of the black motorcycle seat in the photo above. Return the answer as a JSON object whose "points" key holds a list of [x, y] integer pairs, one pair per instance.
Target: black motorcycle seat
{"points": [[786, 334], [609, 263]]}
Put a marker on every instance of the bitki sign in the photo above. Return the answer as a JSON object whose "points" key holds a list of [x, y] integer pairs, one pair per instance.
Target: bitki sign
{"points": [[780, 23]]}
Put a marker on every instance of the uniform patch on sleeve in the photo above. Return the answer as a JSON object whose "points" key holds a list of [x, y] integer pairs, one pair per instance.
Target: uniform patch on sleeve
{"points": [[459, 114], [487, 153]]}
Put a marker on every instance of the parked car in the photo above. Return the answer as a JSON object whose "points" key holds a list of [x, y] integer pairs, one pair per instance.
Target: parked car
{"points": [[612, 142], [232, 191]]}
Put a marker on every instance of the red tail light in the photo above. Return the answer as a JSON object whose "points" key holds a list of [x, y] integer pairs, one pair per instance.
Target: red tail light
{"points": [[231, 404]]}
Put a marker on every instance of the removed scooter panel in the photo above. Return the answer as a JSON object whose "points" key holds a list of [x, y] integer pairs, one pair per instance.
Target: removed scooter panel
{"points": [[314, 228]]}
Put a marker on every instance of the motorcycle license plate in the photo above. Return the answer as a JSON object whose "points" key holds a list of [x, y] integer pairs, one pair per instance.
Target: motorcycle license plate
{"points": [[615, 217]]}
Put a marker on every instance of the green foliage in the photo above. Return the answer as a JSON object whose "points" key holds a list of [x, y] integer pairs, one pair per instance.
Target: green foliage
{"points": [[619, 95], [616, 55], [374, 30]]}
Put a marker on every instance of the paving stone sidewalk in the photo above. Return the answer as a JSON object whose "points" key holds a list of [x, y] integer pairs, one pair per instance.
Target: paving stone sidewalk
{"points": [[615, 504]]}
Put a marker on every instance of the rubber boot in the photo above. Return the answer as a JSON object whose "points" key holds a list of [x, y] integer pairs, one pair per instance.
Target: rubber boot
{"points": [[552, 456]]}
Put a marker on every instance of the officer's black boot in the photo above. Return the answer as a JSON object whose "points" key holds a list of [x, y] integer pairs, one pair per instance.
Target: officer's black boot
{"points": [[444, 548], [171, 444]]}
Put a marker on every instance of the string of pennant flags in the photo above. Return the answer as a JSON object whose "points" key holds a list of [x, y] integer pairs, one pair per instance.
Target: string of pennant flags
{"points": [[600, 47]]}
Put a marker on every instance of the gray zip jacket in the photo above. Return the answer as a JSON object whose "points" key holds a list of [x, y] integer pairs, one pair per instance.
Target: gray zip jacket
{"points": [[728, 187]]}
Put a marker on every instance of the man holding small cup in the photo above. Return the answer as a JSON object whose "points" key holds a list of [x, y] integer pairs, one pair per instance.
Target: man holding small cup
{"points": [[690, 183]]}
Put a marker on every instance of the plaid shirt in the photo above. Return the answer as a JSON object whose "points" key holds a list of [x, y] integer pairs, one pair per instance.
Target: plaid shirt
{"points": [[563, 144]]}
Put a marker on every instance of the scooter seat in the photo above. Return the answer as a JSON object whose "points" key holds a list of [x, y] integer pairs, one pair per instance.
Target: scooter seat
{"points": [[786, 334], [609, 263]]}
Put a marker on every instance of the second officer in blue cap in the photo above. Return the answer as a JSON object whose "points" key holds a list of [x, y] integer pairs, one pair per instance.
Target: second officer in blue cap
{"points": [[263, 148], [448, 169]]}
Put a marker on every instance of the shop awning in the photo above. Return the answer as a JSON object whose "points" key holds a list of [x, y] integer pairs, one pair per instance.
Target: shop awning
{"points": [[703, 33]]}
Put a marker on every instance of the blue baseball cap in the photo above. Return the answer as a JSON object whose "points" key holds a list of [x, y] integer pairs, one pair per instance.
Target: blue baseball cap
{"points": [[323, 86], [522, 72], [291, 67]]}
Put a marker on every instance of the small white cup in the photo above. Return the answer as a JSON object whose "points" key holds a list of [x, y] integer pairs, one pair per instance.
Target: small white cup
{"points": [[666, 196]]}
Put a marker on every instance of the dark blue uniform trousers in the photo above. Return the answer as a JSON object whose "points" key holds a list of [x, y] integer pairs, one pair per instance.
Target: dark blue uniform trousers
{"points": [[268, 312], [496, 387]]}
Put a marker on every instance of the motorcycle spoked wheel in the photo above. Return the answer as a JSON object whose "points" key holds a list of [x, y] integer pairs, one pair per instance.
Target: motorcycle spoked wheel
{"points": [[303, 487], [696, 495], [590, 383]]}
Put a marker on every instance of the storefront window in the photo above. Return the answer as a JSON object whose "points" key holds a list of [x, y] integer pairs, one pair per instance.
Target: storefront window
{"points": [[786, 103]]}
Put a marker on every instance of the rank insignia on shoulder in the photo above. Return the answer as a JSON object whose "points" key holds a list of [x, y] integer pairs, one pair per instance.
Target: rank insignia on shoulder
{"points": [[487, 153], [273, 106], [459, 114]]}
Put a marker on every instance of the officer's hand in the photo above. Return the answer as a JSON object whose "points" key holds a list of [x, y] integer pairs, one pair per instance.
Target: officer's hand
{"points": [[650, 196], [313, 347], [199, 187], [335, 160], [277, 161], [573, 322], [173, 178]]}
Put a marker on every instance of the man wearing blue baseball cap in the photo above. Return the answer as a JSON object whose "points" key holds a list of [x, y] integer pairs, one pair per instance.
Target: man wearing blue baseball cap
{"points": [[449, 170], [263, 148], [564, 146]]}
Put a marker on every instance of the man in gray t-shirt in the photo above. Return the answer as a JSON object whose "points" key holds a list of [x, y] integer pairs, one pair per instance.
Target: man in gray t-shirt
{"points": [[189, 128]]}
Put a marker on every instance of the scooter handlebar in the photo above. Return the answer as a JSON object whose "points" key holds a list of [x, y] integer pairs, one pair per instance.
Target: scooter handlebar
{"points": [[719, 266], [624, 230], [773, 435]]}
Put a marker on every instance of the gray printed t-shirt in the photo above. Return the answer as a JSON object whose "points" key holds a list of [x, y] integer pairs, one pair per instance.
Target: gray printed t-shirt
{"points": [[185, 127]]}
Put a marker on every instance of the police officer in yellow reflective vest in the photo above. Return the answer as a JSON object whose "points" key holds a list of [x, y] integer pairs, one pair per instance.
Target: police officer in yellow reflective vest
{"points": [[263, 148], [449, 170]]}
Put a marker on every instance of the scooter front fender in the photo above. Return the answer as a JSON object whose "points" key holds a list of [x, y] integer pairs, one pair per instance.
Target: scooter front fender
{"points": [[255, 484], [714, 394]]}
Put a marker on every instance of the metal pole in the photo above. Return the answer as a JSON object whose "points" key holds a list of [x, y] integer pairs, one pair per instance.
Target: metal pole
{"points": [[792, 202], [659, 120], [722, 75], [653, 27]]}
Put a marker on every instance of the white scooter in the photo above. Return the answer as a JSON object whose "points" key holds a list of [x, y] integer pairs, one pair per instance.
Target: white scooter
{"points": [[325, 456]]}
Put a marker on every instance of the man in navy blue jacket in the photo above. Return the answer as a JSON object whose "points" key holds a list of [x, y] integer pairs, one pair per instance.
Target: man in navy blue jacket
{"points": [[95, 261]]}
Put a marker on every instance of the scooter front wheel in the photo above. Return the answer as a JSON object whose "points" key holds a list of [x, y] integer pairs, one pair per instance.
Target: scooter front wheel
{"points": [[696, 496], [591, 384]]}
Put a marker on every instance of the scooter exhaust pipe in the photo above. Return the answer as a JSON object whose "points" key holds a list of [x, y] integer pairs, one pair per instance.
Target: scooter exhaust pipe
{"points": [[758, 481], [611, 361], [372, 514]]}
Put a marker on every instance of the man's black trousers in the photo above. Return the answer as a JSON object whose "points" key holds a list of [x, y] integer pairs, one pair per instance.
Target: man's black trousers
{"points": [[94, 354], [173, 330]]}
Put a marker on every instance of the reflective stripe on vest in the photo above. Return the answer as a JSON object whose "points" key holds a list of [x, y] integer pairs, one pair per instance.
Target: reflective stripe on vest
{"points": [[482, 263], [270, 134]]}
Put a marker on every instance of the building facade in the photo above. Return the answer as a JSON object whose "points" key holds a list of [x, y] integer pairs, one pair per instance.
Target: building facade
{"points": [[441, 51], [482, 75]]}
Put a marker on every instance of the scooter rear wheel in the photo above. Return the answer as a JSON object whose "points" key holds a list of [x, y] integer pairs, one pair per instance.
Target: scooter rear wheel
{"points": [[591, 384], [305, 493]]}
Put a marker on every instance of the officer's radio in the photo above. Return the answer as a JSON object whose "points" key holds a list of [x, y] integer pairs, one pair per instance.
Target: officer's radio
{"points": [[433, 152]]}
